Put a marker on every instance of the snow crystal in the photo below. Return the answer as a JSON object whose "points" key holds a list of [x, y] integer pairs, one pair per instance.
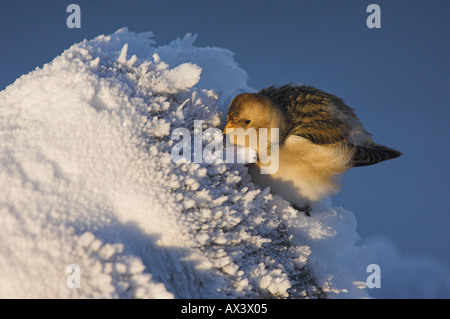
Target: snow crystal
{"points": [[123, 54]]}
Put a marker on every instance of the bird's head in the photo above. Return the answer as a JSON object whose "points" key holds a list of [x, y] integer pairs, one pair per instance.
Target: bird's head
{"points": [[254, 111], [249, 110]]}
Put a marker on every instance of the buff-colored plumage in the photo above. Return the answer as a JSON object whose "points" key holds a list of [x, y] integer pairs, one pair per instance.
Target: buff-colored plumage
{"points": [[320, 138]]}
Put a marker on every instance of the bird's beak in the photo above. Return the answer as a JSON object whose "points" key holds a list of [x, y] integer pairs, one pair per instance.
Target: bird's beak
{"points": [[228, 128]]}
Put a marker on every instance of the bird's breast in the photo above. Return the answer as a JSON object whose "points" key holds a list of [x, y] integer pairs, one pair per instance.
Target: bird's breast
{"points": [[306, 172]]}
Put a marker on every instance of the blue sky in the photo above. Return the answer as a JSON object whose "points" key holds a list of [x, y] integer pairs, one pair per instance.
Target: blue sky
{"points": [[396, 78]]}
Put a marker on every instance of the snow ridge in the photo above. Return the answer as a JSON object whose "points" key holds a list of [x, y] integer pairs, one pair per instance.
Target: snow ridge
{"points": [[87, 178]]}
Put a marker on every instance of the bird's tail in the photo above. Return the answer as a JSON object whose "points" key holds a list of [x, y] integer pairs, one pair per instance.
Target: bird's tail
{"points": [[373, 154]]}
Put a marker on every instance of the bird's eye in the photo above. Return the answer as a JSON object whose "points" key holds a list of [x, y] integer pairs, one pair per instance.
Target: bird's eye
{"points": [[247, 122]]}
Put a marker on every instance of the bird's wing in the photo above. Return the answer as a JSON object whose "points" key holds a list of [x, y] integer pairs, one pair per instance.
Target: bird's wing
{"points": [[323, 118], [315, 115]]}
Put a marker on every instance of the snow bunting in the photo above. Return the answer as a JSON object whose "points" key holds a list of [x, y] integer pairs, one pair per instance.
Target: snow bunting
{"points": [[320, 138]]}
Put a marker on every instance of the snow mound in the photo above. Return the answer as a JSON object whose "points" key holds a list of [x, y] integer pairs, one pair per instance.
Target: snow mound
{"points": [[87, 179]]}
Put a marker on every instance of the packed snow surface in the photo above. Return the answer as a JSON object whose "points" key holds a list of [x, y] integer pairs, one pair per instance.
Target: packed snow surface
{"points": [[87, 179]]}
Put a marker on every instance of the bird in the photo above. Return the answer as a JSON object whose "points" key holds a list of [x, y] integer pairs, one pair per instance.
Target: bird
{"points": [[319, 139]]}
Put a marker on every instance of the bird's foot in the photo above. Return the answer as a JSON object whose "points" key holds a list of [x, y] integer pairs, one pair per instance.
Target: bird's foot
{"points": [[305, 209]]}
